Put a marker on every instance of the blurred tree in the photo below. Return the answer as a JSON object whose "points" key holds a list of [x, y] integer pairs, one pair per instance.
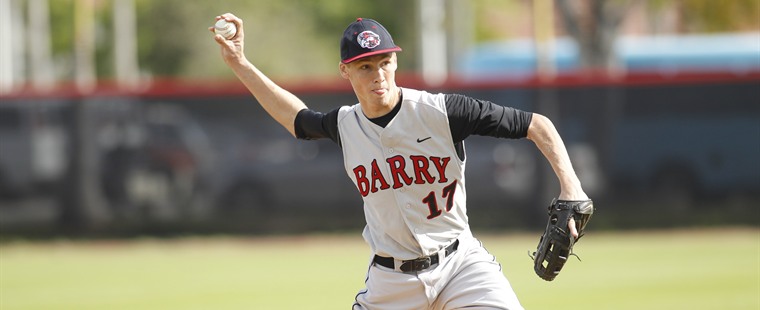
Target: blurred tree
{"points": [[712, 16], [500, 19], [62, 36], [164, 29], [594, 25], [104, 40]]}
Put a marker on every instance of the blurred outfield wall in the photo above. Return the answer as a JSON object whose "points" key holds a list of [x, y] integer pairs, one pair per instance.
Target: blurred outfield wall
{"points": [[652, 150]]}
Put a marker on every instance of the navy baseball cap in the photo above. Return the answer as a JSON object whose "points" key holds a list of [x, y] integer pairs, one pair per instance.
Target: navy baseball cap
{"points": [[363, 38]]}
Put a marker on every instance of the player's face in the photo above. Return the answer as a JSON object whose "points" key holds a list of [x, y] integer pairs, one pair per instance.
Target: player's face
{"points": [[373, 78]]}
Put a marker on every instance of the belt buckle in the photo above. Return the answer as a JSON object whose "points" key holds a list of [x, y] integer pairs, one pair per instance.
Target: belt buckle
{"points": [[415, 264]]}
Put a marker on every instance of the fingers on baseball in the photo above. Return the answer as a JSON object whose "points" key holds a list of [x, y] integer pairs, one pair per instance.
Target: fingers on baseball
{"points": [[220, 39], [229, 17]]}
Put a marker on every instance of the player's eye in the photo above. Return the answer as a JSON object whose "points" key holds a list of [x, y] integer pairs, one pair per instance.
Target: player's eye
{"points": [[364, 67]]}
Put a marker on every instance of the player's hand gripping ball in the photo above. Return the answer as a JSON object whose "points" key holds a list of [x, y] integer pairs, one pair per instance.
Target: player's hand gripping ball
{"points": [[225, 29]]}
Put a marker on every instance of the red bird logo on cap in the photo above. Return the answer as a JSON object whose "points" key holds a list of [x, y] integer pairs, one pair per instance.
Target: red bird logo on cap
{"points": [[368, 39]]}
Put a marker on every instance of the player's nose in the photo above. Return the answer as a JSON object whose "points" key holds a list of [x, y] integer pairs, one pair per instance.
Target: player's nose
{"points": [[379, 76]]}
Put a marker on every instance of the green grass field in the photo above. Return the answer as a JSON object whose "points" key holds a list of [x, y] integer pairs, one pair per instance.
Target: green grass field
{"points": [[684, 269]]}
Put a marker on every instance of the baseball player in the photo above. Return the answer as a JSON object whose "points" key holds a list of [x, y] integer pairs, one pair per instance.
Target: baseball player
{"points": [[404, 150]]}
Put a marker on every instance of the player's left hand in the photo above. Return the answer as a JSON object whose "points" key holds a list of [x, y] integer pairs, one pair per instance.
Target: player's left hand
{"points": [[577, 195], [556, 244]]}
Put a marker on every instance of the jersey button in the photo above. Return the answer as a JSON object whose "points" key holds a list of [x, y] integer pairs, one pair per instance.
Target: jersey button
{"points": [[408, 205], [390, 151]]}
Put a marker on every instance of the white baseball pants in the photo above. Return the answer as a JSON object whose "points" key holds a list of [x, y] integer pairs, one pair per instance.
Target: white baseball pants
{"points": [[469, 278]]}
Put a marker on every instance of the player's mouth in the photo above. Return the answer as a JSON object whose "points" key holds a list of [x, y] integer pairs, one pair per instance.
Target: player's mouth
{"points": [[380, 91]]}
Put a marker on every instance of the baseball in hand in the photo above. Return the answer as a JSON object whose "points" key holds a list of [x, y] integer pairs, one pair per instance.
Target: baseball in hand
{"points": [[225, 29]]}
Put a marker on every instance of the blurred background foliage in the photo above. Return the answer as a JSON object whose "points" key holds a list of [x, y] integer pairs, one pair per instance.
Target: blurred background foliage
{"points": [[713, 16], [302, 35], [173, 39]]}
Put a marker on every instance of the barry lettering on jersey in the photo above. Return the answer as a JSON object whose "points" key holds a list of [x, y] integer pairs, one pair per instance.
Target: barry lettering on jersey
{"points": [[404, 150]]}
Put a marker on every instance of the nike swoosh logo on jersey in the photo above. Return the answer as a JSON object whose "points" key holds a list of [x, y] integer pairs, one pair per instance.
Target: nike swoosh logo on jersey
{"points": [[422, 140]]}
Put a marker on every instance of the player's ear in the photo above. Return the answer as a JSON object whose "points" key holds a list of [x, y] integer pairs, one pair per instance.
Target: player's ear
{"points": [[343, 70]]}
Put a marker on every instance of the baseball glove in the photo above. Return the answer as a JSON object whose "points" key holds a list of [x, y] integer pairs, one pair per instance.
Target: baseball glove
{"points": [[556, 244]]}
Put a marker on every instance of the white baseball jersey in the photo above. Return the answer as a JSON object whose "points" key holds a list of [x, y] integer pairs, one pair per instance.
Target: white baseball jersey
{"points": [[409, 168], [409, 175]]}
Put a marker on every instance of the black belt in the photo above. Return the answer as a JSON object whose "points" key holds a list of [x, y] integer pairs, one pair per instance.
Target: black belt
{"points": [[418, 264]]}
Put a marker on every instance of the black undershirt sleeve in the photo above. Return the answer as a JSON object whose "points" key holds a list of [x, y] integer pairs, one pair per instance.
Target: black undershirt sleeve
{"points": [[469, 116], [312, 125]]}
